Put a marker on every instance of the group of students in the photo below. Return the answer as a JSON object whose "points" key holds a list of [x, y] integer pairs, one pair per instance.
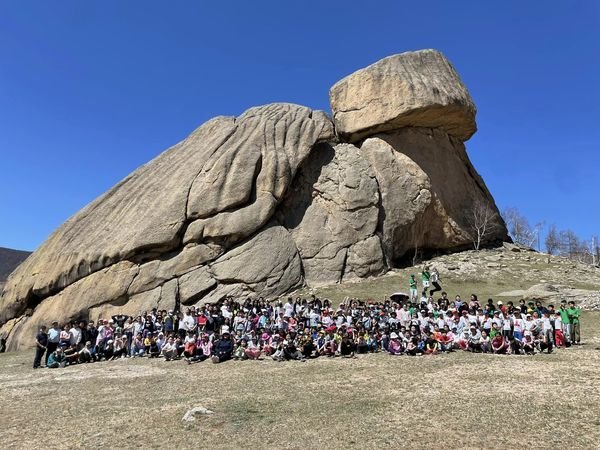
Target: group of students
{"points": [[301, 329]]}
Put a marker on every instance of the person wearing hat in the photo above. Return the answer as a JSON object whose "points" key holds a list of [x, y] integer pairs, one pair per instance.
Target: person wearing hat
{"points": [[394, 347]]}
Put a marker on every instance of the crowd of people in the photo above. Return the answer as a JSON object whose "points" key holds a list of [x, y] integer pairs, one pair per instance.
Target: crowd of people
{"points": [[301, 329]]}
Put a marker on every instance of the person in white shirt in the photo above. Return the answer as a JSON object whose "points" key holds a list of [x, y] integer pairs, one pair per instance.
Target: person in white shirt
{"points": [[518, 326], [169, 350], [75, 335]]}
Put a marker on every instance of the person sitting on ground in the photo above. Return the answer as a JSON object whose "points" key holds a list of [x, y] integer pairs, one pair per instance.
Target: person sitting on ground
{"points": [[395, 345], [412, 348], [474, 340], [253, 348], [290, 350], [86, 354], [499, 345], [431, 345], [119, 347], [137, 346], [189, 346], [223, 348], [347, 347], [153, 348], [528, 343], [485, 342], [239, 352], [307, 345], [57, 359], [71, 354], [108, 350], [169, 350], [445, 341]]}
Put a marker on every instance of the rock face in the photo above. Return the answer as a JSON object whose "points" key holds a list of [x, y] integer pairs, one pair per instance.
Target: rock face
{"points": [[261, 204]]}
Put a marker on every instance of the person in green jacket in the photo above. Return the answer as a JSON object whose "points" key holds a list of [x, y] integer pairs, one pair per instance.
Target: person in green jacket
{"points": [[412, 282], [574, 313], [57, 359], [566, 322], [425, 276]]}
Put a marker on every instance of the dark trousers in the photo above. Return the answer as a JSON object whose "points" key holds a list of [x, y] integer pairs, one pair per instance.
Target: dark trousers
{"points": [[52, 346], [436, 286], [39, 353]]}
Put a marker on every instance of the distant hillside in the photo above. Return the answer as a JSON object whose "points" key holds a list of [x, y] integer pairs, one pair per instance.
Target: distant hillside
{"points": [[9, 260]]}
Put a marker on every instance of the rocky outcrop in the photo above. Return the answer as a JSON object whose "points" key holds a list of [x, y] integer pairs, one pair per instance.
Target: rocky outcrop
{"points": [[261, 204]]}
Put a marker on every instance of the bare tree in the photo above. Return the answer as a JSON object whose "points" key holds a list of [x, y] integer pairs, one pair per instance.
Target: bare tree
{"points": [[520, 229], [553, 241], [570, 244], [483, 222]]}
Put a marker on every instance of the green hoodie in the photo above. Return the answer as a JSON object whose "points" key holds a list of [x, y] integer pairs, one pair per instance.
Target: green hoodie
{"points": [[574, 313]]}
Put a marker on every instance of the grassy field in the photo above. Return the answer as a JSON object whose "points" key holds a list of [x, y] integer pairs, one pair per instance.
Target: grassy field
{"points": [[374, 401]]}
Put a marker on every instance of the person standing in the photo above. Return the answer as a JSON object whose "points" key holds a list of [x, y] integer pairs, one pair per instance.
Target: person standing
{"points": [[566, 322], [425, 276], [53, 339], [41, 345], [413, 288], [574, 314]]}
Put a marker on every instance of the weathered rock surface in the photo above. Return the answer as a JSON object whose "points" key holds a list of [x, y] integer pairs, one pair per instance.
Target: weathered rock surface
{"points": [[413, 89], [333, 206], [261, 204], [428, 187]]}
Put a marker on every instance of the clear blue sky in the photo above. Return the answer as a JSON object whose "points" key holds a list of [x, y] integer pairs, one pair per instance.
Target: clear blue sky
{"points": [[91, 90]]}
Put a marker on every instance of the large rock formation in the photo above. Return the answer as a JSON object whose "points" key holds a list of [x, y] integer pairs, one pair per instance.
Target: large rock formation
{"points": [[261, 204]]}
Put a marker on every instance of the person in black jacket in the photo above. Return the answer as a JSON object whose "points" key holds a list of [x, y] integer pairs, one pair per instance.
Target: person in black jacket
{"points": [[222, 349], [41, 344]]}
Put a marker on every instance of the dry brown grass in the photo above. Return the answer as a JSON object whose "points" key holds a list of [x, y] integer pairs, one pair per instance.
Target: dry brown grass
{"points": [[374, 401]]}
